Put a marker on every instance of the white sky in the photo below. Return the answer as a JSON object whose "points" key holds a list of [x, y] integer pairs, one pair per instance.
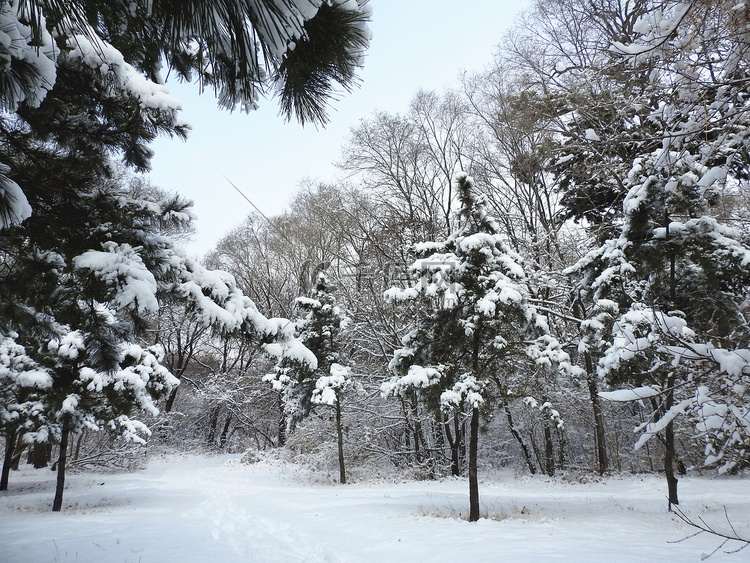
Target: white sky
{"points": [[416, 44]]}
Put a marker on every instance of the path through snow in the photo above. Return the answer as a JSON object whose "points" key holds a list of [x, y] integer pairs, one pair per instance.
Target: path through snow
{"points": [[217, 509]]}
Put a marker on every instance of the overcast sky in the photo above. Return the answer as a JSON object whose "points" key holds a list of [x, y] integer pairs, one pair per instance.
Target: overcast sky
{"points": [[416, 44]]}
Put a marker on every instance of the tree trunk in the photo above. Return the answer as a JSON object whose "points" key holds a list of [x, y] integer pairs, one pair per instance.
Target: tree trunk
{"points": [[213, 421], [15, 460], [57, 503], [171, 398], [225, 431], [78, 444], [439, 439], [340, 434], [562, 444], [418, 434], [462, 442], [407, 426], [549, 450], [460, 433], [453, 444], [519, 439], [599, 437], [669, 453], [282, 421], [10, 446], [39, 454], [473, 481]]}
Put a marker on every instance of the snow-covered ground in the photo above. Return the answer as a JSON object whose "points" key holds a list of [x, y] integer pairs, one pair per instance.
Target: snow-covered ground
{"points": [[218, 509]]}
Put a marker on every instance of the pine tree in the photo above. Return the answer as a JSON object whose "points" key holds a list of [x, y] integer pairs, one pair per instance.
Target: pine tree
{"points": [[302, 384], [241, 49], [82, 275], [673, 279], [23, 383], [474, 326]]}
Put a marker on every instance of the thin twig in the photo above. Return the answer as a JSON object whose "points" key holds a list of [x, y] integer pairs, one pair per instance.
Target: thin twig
{"points": [[703, 527]]}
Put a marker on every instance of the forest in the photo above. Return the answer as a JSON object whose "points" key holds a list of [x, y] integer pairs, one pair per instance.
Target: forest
{"points": [[545, 267]]}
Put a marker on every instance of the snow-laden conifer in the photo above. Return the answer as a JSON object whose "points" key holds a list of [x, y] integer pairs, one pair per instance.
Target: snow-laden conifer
{"points": [[672, 281], [85, 272], [476, 336], [323, 379]]}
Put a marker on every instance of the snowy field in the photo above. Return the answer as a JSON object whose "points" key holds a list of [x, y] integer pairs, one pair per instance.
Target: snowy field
{"points": [[217, 509]]}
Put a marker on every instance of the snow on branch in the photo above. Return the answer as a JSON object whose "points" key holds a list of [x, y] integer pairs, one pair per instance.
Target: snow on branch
{"points": [[466, 391], [653, 428], [123, 269], [624, 395], [329, 387], [418, 377], [20, 46], [109, 61]]}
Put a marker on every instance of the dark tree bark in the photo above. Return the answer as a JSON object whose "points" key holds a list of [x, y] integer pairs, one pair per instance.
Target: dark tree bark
{"points": [[340, 435], [225, 431], [455, 445], [601, 449], [15, 460], [669, 465], [562, 445], [419, 440], [669, 451], [459, 427], [79, 442], [599, 435], [407, 426], [57, 503], [171, 398], [473, 481], [519, 439], [10, 446], [462, 443], [39, 454], [549, 450], [282, 421], [213, 422], [439, 437]]}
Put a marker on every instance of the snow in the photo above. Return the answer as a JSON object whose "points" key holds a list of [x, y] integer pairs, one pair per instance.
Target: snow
{"points": [[197, 509], [121, 266], [466, 391], [292, 349], [11, 194], [18, 48], [109, 61], [328, 387], [70, 403], [34, 378], [630, 394], [591, 135], [69, 346], [418, 377], [564, 159], [653, 428]]}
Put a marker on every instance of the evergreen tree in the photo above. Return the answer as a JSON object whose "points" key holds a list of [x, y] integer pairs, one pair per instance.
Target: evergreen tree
{"points": [[239, 48], [303, 385], [23, 383], [84, 272], [673, 280], [474, 326]]}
